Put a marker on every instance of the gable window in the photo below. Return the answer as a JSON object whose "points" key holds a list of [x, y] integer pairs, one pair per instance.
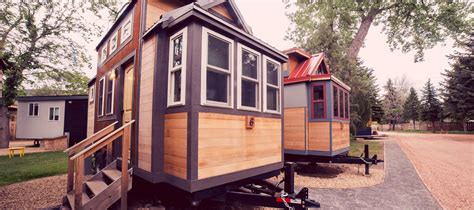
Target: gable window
{"points": [[335, 101], [101, 98], [318, 101], [346, 104], [126, 30], [103, 54], [33, 109], [113, 43], [272, 85], [248, 82], [216, 76], [53, 113], [177, 68], [110, 94]]}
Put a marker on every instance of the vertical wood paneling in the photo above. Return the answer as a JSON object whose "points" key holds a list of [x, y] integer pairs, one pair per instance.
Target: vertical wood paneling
{"points": [[294, 128], [146, 103], [90, 118], [176, 128], [340, 135], [222, 10], [319, 136], [155, 8]]}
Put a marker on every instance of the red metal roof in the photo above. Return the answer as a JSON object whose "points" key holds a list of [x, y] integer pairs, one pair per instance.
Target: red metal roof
{"points": [[307, 70]]}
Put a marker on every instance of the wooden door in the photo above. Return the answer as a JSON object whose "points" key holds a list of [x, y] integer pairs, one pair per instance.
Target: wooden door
{"points": [[128, 94]]}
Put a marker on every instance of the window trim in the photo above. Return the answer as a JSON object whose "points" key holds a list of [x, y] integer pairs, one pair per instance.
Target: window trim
{"points": [[103, 55], [54, 112], [37, 103], [112, 50], [170, 103], [342, 104], [113, 95], [240, 77], [204, 56], [313, 114], [335, 88], [265, 84], [101, 111], [122, 37]]}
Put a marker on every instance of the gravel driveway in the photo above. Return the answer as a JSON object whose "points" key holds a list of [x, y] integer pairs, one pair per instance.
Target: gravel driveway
{"points": [[445, 163], [402, 189]]}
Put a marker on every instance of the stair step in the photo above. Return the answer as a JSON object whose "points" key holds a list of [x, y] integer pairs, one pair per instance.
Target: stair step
{"points": [[112, 173], [96, 186], [71, 198]]}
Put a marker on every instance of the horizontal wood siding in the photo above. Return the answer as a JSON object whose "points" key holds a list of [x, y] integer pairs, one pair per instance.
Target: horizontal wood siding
{"points": [[90, 117], [146, 104], [176, 129], [319, 136], [340, 135], [294, 128], [226, 146]]}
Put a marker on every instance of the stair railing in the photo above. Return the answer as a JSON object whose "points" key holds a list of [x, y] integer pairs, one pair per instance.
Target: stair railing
{"points": [[106, 141]]}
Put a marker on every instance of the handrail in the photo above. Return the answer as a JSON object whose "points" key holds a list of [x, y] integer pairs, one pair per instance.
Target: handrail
{"points": [[104, 141], [94, 137]]}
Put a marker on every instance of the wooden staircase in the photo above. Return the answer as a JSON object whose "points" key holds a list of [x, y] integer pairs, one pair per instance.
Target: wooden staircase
{"points": [[111, 183]]}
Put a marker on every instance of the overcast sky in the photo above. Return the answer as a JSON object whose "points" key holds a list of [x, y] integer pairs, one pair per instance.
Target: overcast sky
{"points": [[269, 23]]}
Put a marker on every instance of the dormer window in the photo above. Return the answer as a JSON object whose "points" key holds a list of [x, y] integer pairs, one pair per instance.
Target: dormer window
{"points": [[103, 55], [113, 43], [126, 30], [322, 69]]}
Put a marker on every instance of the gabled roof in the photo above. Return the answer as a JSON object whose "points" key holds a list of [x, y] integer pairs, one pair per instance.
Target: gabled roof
{"points": [[51, 98], [122, 14], [230, 4], [308, 69]]}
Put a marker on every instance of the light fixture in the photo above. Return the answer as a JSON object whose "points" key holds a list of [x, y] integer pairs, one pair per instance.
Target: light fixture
{"points": [[112, 74]]}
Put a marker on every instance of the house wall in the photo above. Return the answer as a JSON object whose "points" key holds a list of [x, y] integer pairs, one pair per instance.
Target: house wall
{"points": [[295, 95], [319, 136], [175, 144], [295, 122], [37, 127], [90, 116], [340, 135], [75, 120], [155, 8]]}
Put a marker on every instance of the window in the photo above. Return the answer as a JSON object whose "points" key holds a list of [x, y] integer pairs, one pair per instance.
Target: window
{"points": [[346, 104], [113, 43], [341, 103], [33, 109], [103, 55], [53, 113], [126, 29], [335, 101], [216, 76], [101, 97], [177, 68], [272, 84], [91, 94], [109, 105], [248, 82], [318, 101]]}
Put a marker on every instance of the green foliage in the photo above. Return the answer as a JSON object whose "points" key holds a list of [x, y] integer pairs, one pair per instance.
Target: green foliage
{"points": [[411, 107], [392, 103], [430, 105]]}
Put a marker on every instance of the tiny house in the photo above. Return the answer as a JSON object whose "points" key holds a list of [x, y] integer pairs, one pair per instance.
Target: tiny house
{"points": [[316, 122]]}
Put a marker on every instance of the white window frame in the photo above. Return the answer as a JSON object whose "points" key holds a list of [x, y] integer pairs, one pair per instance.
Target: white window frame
{"points": [[230, 103], [28, 114], [265, 84], [241, 77], [111, 42], [103, 54], [113, 95], [91, 94], [122, 34], [184, 33], [101, 111], [54, 113]]}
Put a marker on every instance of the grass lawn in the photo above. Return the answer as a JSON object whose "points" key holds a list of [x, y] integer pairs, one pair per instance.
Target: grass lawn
{"points": [[32, 166], [375, 147]]}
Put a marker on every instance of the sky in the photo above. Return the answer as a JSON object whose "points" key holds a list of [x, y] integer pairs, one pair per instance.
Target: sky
{"points": [[270, 24]]}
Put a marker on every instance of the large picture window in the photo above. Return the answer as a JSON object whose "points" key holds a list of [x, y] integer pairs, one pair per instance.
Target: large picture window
{"points": [[53, 113], [272, 80], [33, 109], [110, 94], [177, 68], [100, 102], [318, 101], [248, 81], [216, 76]]}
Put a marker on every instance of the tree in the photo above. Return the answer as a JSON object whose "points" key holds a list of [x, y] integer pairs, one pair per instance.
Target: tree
{"points": [[430, 105], [392, 104], [459, 84], [411, 107], [341, 26]]}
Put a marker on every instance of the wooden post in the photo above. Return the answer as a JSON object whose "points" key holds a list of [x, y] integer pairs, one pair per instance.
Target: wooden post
{"points": [[366, 156], [70, 174], [79, 182], [110, 148], [125, 155]]}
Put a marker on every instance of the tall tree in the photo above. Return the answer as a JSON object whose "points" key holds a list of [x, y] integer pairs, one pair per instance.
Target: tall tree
{"points": [[411, 107], [392, 104], [430, 106], [458, 85], [408, 25]]}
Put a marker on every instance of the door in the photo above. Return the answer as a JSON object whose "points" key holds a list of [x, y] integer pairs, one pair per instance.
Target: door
{"points": [[128, 94]]}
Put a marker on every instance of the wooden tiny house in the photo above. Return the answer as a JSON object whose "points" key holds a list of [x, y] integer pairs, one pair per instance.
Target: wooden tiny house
{"points": [[199, 97], [316, 121]]}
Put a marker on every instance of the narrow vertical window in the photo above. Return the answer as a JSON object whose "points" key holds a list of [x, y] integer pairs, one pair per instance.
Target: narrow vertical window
{"points": [[346, 101], [177, 68], [126, 30], [248, 83], [100, 105], [335, 101], [341, 103], [33, 109], [110, 94], [91, 94], [53, 113], [319, 106], [272, 79], [113, 42], [217, 72], [103, 54]]}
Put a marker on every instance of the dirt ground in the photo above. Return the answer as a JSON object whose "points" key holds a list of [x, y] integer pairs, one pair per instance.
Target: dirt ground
{"points": [[445, 163], [39, 193], [28, 147]]}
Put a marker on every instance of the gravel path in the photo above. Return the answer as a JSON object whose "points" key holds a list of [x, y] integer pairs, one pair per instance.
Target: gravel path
{"points": [[402, 189], [445, 163]]}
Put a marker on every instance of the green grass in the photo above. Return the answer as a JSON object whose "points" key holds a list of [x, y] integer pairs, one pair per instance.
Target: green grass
{"points": [[31, 166], [375, 147]]}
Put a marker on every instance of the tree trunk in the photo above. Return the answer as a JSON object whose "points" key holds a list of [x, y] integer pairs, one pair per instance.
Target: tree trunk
{"points": [[4, 127], [359, 38], [414, 126], [464, 126], [433, 125]]}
